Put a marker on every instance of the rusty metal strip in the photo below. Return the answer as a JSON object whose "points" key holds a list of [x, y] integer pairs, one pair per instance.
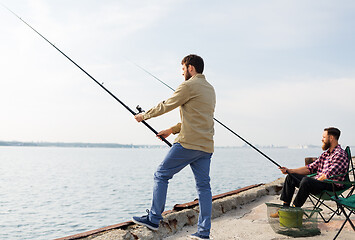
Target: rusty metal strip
{"points": [[123, 225], [236, 191], [179, 207]]}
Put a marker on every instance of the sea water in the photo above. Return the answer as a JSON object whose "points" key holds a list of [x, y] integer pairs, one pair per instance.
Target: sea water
{"points": [[49, 192]]}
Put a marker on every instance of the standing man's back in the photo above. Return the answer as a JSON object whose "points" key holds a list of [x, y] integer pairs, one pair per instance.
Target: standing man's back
{"points": [[197, 115]]}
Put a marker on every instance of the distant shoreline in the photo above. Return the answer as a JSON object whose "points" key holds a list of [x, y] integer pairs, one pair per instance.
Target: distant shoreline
{"points": [[117, 145], [74, 145]]}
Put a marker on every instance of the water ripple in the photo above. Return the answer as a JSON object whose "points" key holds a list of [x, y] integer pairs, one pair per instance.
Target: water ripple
{"points": [[49, 193]]}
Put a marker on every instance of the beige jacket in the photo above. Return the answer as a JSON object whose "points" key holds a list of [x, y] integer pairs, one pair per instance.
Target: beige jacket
{"points": [[196, 99]]}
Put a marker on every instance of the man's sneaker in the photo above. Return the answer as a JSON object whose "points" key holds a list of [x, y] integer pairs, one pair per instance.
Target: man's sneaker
{"points": [[144, 221], [199, 236]]}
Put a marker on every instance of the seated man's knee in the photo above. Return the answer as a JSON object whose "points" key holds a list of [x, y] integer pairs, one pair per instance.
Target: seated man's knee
{"points": [[289, 179], [306, 181]]}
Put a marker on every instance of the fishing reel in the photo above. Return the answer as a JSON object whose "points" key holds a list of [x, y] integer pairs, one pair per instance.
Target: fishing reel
{"points": [[140, 110]]}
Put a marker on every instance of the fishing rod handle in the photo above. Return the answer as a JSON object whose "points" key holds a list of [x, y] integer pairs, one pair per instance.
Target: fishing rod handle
{"points": [[140, 110], [156, 133]]}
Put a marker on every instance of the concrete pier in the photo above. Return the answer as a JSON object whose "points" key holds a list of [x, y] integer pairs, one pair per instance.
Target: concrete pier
{"points": [[240, 214], [183, 215]]}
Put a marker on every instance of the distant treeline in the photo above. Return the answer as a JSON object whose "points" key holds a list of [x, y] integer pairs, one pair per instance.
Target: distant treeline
{"points": [[80, 145], [116, 145]]}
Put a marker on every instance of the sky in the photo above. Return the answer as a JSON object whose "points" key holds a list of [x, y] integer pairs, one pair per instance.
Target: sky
{"points": [[282, 70]]}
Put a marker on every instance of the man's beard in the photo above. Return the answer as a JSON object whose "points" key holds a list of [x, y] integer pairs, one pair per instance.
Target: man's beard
{"points": [[326, 145], [187, 75]]}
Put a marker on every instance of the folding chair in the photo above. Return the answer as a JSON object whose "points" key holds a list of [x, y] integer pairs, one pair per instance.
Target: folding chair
{"points": [[345, 203], [319, 199]]}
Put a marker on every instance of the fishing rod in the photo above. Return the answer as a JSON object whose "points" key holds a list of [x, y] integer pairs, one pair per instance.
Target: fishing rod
{"points": [[251, 145], [267, 157], [214, 119], [124, 105]]}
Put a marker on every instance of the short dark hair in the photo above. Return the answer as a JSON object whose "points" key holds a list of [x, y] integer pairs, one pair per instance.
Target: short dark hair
{"points": [[195, 61], [333, 131]]}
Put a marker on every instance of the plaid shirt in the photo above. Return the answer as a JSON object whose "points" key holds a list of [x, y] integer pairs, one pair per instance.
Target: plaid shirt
{"points": [[330, 164]]}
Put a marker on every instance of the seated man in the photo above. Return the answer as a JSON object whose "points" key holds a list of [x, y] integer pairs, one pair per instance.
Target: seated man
{"points": [[333, 161]]}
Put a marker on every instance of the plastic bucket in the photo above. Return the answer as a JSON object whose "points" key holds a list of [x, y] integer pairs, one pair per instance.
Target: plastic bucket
{"points": [[291, 217]]}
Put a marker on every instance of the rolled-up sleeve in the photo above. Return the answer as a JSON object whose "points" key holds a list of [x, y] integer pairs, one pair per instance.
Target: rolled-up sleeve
{"points": [[313, 167], [176, 129]]}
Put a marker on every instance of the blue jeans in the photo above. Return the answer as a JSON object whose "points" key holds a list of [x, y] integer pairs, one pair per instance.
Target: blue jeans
{"points": [[178, 158]]}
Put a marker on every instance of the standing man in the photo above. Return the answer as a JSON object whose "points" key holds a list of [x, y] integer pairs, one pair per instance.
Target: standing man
{"points": [[193, 146], [333, 161]]}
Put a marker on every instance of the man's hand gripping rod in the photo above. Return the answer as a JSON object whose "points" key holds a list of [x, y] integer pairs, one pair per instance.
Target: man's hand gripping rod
{"points": [[140, 110]]}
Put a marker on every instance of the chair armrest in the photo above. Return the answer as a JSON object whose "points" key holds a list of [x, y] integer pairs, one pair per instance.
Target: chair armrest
{"points": [[340, 182], [340, 175]]}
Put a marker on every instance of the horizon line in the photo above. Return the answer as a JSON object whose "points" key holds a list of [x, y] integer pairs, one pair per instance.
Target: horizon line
{"points": [[127, 145]]}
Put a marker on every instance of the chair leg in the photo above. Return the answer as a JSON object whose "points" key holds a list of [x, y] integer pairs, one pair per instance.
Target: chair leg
{"points": [[320, 203], [346, 220], [317, 205]]}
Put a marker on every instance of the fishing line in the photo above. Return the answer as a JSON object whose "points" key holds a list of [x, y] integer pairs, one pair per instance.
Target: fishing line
{"points": [[124, 105], [251, 145], [213, 118]]}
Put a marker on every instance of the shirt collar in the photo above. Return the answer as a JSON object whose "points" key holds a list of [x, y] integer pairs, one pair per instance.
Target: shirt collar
{"points": [[198, 75], [336, 148]]}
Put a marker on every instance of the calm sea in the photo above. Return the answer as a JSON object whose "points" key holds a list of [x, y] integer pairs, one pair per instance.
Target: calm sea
{"points": [[48, 193]]}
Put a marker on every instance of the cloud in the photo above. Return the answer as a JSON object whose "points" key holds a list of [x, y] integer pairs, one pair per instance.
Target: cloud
{"points": [[277, 25], [294, 95], [300, 108], [94, 18], [256, 53]]}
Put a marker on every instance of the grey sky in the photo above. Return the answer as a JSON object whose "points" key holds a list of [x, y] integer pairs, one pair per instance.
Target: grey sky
{"points": [[282, 70]]}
